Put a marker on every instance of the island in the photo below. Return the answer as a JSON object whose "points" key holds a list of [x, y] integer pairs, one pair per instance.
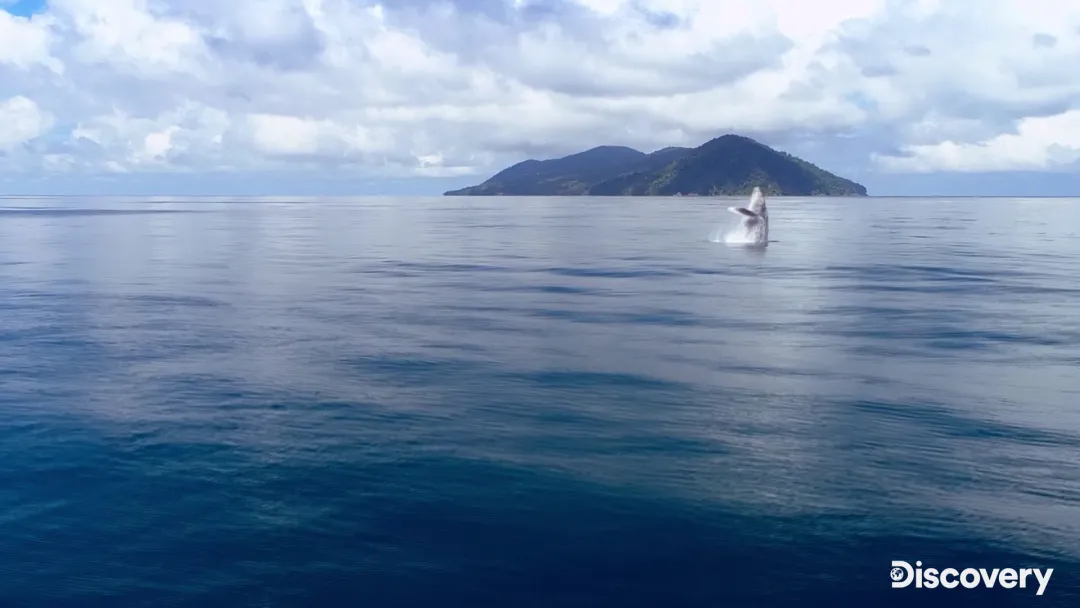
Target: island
{"points": [[729, 165]]}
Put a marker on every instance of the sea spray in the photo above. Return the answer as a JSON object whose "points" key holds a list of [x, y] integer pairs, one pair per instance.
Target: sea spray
{"points": [[744, 234], [753, 229]]}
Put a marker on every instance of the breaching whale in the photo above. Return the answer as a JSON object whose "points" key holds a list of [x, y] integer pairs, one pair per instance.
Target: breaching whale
{"points": [[754, 229]]}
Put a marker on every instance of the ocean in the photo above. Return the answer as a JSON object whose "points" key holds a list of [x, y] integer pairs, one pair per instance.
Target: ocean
{"points": [[535, 402]]}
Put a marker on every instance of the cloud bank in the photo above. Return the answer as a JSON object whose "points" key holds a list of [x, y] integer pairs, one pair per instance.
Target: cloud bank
{"points": [[460, 89]]}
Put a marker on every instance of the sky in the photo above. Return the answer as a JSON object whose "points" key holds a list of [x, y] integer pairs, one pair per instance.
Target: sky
{"points": [[908, 97]]}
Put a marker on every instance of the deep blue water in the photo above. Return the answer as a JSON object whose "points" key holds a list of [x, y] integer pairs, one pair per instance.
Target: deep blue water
{"points": [[534, 402]]}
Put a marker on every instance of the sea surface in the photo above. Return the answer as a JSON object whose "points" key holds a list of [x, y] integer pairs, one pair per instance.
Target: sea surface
{"points": [[535, 402]]}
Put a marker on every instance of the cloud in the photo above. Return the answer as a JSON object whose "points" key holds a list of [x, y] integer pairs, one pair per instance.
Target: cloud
{"points": [[442, 88], [27, 43], [23, 121], [1041, 143]]}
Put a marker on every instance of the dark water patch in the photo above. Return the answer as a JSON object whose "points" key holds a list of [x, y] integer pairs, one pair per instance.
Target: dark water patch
{"points": [[400, 534], [659, 318], [401, 369], [709, 271], [385, 272], [456, 346], [672, 318], [942, 421], [886, 350], [774, 371], [589, 380], [950, 280], [989, 339], [941, 288], [1022, 290], [744, 270], [937, 273], [1038, 290], [38, 297], [946, 337], [554, 289], [879, 312], [502, 322], [225, 389], [459, 268], [482, 324], [174, 300], [608, 273]]}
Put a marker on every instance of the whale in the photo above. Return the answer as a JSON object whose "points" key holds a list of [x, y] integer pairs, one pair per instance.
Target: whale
{"points": [[754, 228]]}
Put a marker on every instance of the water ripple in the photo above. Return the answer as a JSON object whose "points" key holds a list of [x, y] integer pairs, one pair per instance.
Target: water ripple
{"points": [[234, 402]]}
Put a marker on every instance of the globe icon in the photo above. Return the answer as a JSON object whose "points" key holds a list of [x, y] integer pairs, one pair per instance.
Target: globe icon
{"points": [[897, 574]]}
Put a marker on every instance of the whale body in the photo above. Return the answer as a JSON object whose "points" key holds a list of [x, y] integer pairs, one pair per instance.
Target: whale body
{"points": [[754, 229]]}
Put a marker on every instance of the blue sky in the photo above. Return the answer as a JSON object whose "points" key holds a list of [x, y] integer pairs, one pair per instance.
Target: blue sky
{"points": [[23, 8], [909, 97]]}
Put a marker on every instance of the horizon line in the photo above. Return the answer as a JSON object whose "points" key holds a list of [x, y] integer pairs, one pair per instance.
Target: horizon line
{"points": [[488, 196]]}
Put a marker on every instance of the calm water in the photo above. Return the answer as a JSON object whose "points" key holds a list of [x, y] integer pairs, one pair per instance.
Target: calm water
{"points": [[534, 402]]}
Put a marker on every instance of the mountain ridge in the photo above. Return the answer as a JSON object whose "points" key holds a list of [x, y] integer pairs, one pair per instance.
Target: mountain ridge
{"points": [[726, 165]]}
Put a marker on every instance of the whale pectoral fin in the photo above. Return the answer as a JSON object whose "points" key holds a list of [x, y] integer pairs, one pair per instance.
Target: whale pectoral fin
{"points": [[742, 211]]}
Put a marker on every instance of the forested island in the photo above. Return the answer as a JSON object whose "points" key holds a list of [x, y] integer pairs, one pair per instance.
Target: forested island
{"points": [[726, 165]]}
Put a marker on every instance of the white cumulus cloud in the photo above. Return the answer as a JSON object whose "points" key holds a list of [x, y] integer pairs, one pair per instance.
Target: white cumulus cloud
{"points": [[450, 88], [1041, 143], [21, 120]]}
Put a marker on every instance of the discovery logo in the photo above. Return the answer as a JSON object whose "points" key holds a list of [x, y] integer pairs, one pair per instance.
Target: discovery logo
{"points": [[902, 575]]}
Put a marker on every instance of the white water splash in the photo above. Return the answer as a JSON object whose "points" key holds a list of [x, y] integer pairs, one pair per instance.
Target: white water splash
{"points": [[753, 226], [741, 234]]}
